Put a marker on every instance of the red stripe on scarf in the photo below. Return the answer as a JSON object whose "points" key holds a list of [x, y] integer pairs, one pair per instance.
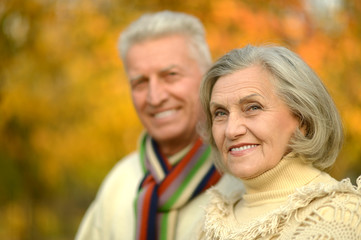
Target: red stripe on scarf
{"points": [[145, 211], [148, 180], [213, 180], [179, 168]]}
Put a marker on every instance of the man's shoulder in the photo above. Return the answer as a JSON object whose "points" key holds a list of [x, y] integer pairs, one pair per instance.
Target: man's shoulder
{"points": [[128, 164], [126, 171], [114, 201]]}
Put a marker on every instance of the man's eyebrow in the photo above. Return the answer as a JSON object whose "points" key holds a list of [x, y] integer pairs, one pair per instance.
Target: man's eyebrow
{"points": [[166, 69], [136, 78], [163, 70]]}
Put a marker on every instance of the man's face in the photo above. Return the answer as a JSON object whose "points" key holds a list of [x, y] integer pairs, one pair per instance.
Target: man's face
{"points": [[164, 81]]}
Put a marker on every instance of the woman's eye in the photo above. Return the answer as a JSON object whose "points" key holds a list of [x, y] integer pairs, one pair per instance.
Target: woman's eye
{"points": [[219, 113], [253, 107]]}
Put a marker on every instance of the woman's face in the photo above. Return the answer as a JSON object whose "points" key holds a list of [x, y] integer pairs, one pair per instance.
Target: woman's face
{"points": [[251, 125]]}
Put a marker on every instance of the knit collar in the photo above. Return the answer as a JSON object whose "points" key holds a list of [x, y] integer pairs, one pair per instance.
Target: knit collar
{"points": [[277, 183]]}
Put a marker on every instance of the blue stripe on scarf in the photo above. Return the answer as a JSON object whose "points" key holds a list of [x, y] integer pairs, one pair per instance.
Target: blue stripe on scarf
{"points": [[152, 219], [159, 156], [204, 182]]}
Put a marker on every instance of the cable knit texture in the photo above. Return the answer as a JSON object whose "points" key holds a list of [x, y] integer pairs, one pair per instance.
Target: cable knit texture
{"points": [[291, 201]]}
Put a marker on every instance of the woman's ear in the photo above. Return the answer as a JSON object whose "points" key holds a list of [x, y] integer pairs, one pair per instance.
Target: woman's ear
{"points": [[302, 125], [303, 128]]}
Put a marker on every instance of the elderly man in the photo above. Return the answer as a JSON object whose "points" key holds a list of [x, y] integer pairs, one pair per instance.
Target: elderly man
{"points": [[158, 191]]}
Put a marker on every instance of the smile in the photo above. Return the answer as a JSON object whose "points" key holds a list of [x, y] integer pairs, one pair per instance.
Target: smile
{"points": [[165, 113], [238, 149]]}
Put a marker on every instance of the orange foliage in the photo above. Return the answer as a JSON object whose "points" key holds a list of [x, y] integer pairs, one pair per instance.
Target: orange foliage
{"points": [[66, 116]]}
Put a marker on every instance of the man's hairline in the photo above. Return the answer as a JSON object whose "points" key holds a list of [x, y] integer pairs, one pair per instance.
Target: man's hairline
{"points": [[192, 52]]}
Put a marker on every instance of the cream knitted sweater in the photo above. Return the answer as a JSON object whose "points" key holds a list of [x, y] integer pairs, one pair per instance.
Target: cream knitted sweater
{"points": [[291, 201]]}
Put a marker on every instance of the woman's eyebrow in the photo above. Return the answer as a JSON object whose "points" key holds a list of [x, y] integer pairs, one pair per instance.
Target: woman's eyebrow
{"points": [[242, 100], [246, 98]]}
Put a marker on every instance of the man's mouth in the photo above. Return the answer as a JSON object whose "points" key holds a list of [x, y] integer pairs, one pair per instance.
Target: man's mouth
{"points": [[164, 113]]}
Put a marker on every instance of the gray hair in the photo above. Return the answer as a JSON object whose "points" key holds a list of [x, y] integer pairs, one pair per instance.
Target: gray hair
{"points": [[164, 23], [299, 87]]}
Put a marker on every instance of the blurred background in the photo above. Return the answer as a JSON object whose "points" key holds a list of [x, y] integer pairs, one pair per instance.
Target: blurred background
{"points": [[65, 111]]}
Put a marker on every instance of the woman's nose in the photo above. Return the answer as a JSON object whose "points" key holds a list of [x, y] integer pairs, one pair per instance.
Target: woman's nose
{"points": [[235, 126]]}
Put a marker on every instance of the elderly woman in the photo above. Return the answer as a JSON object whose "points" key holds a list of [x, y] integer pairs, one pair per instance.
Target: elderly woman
{"points": [[275, 126]]}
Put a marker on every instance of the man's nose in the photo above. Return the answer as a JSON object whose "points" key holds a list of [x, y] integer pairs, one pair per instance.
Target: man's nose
{"points": [[157, 92]]}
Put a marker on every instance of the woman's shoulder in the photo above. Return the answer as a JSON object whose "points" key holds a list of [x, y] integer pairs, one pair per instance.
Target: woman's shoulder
{"points": [[344, 195], [319, 208], [329, 200], [322, 192], [334, 211]]}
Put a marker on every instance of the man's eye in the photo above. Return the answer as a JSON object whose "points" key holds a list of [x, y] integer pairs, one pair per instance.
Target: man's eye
{"points": [[136, 84], [171, 76]]}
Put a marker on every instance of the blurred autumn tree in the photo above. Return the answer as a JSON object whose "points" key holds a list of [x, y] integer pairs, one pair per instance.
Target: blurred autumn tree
{"points": [[65, 110]]}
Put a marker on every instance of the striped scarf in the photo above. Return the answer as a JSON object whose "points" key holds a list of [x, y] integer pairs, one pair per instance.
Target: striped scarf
{"points": [[166, 188]]}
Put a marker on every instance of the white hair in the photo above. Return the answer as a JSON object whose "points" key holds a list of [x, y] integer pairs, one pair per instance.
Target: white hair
{"points": [[164, 23], [299, 87]]}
